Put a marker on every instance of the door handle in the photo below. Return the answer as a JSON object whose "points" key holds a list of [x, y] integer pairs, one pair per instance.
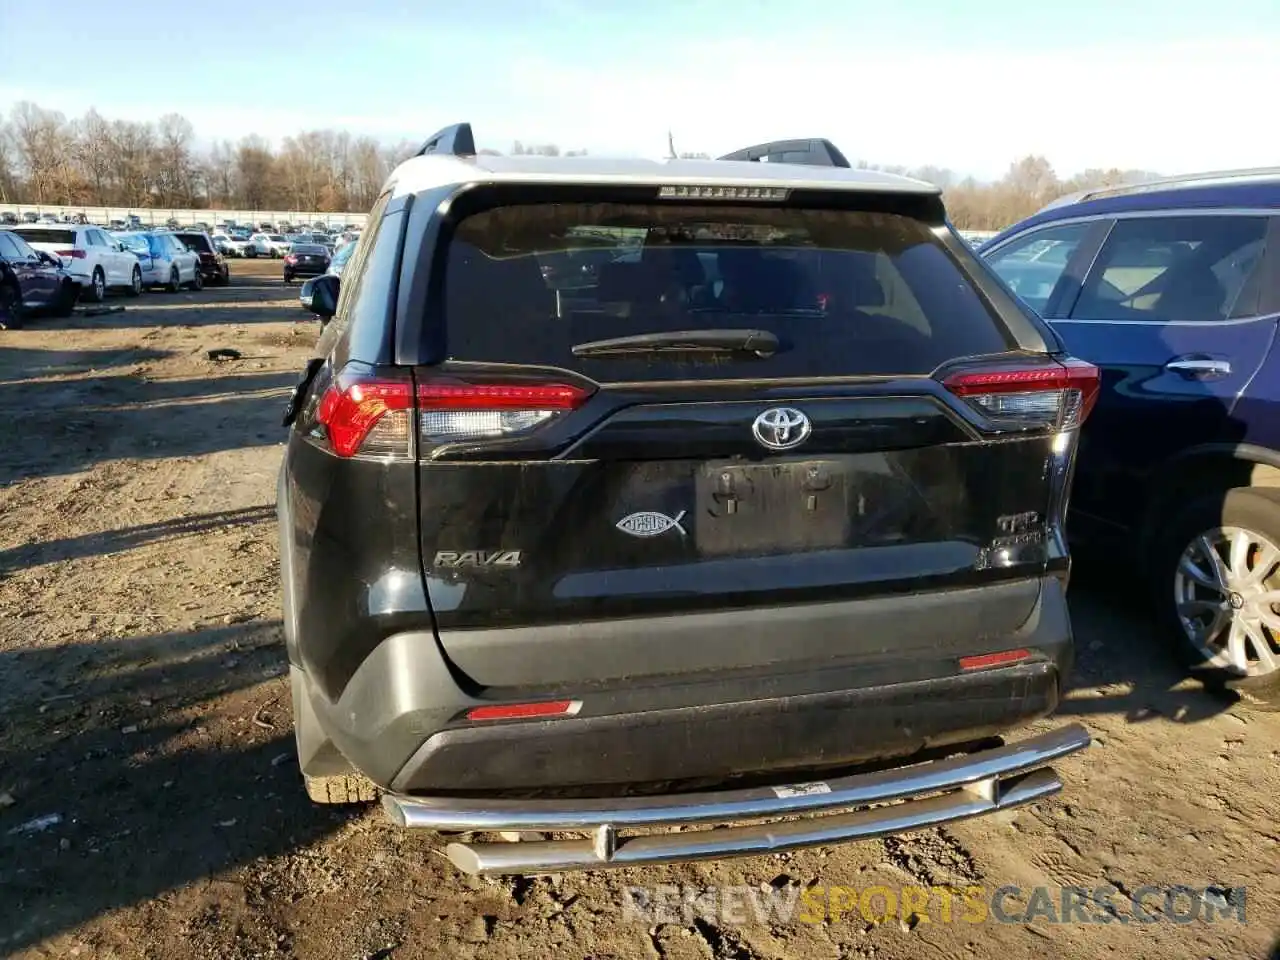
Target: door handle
{"points": [[1200, 368]]}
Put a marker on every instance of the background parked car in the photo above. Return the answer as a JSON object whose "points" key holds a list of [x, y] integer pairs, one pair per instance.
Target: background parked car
{"points": [[340, 259], [266, 245], [305, 260], [1173, 290], [94, 259], [232, 246], [213, 267], [31, 280], [164, 260]]}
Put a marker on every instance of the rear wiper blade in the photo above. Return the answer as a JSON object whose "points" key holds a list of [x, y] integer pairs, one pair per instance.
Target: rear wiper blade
{"points": [[762, 343]]}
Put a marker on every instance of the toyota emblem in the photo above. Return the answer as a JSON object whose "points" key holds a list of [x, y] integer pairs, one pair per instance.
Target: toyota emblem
{"points": [[781, 428]]}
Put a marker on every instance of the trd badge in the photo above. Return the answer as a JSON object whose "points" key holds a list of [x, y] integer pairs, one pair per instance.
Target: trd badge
{"points": [[650, 523]]}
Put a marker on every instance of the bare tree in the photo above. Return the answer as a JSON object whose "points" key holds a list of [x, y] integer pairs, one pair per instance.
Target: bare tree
{"points": [[254, 172], [8, 165], [92, 149], [222, 173], [39, 136], [173, 160], [133, 149]]}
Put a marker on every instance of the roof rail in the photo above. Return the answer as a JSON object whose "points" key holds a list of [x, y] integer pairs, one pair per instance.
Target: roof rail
{"points": [[814, 151], [1248, 175], [454, 140]]}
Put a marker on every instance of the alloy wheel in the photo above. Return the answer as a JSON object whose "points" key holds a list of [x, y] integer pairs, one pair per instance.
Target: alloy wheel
{"points": [[1227, 594]]}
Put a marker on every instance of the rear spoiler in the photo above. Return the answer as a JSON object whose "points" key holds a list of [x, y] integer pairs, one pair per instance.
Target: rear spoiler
{"points": [[457, 140]]}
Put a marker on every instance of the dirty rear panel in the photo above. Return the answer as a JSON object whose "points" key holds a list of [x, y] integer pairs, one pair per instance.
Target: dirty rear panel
{"points": [[667, 476]]}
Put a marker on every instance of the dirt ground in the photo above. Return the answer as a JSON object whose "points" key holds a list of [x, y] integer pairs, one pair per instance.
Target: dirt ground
{"points": [[143, 705]]}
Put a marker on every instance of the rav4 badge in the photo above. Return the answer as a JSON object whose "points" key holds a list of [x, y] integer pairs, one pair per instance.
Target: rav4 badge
{"points": [[454, 559]]}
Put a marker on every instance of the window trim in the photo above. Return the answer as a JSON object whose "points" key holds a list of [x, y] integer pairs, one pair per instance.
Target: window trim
{"points": [[1266, 266], [1069, 279], [1270, 305]]}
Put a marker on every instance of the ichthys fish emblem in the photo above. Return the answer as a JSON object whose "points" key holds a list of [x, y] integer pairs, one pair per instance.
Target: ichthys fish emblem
{"points": [[650, 523]]}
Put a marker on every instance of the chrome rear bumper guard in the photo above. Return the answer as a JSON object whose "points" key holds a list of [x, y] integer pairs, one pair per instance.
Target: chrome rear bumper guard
{"points": [[932, 793]]}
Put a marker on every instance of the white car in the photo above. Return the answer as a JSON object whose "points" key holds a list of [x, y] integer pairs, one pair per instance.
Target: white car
{"points": [[164, 260], [266, 245], [231, 246], [95, 260]]}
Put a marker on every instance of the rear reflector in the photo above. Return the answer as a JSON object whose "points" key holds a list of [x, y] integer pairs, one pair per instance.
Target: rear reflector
{"points": [[985, 661], [526, 711], [1060, 394]]}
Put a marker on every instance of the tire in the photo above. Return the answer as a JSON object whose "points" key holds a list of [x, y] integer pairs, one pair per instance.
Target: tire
{"points": [[135, 283], [288, 279], [351, 788], [197, 280], [1181, 572], [175, 281], [224, 279], [66, 302], [11, 312], [251, 252], [97, 290]]}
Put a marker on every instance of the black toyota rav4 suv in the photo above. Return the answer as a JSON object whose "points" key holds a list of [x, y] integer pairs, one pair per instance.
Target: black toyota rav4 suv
{"points": [[624, 494]]}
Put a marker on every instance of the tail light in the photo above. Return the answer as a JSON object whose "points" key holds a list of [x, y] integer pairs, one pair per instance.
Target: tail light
{"points": [[375, 417], [73, 254], [469, 411], [1058, 395], [290, 258]]}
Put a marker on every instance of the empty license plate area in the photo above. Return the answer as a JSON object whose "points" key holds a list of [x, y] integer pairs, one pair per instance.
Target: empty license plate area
{"points": [[771, 507]]}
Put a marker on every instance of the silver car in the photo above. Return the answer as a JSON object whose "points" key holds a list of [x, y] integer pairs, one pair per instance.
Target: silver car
{"points": [[165, 260]]}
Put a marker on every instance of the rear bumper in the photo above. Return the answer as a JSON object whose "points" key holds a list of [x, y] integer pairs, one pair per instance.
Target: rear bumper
{"points": [[918, 796], [400, 718], [725, 741]]}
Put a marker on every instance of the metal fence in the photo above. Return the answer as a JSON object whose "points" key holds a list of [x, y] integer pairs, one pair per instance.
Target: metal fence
{"points": [[158, 216]]}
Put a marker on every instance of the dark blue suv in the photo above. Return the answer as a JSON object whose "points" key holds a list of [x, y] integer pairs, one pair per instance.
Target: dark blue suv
{"points": [[1173, 290]]}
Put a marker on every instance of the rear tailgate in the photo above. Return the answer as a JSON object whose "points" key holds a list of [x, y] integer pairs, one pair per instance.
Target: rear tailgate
{"points": [[560, 488]]}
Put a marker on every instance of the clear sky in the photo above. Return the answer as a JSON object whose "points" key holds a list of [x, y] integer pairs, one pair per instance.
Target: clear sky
{"points": [[967, 84]]}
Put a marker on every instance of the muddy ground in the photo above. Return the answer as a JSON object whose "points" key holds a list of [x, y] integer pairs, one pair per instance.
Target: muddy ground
{"points": [[143, 705]]}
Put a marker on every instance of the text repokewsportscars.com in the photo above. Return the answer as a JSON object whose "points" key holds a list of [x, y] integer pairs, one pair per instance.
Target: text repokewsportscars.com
{"points": [[1103, 904]]}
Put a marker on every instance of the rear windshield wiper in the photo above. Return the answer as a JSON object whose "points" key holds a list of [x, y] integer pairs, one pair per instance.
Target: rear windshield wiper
{"points": [[761, 343]]}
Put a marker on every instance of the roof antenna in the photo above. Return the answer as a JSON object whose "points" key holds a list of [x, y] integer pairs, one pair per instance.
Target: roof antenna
{"points": [[671, 147]]}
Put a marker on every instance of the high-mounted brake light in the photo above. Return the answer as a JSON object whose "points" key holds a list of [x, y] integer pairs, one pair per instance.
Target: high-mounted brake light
{"points": [[1059, 394], [695, 192]]}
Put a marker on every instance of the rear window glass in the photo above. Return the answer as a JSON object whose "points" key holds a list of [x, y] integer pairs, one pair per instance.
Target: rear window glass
{"points": [[845, 292], [196, 241], [34, 235], [309, 249]]}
